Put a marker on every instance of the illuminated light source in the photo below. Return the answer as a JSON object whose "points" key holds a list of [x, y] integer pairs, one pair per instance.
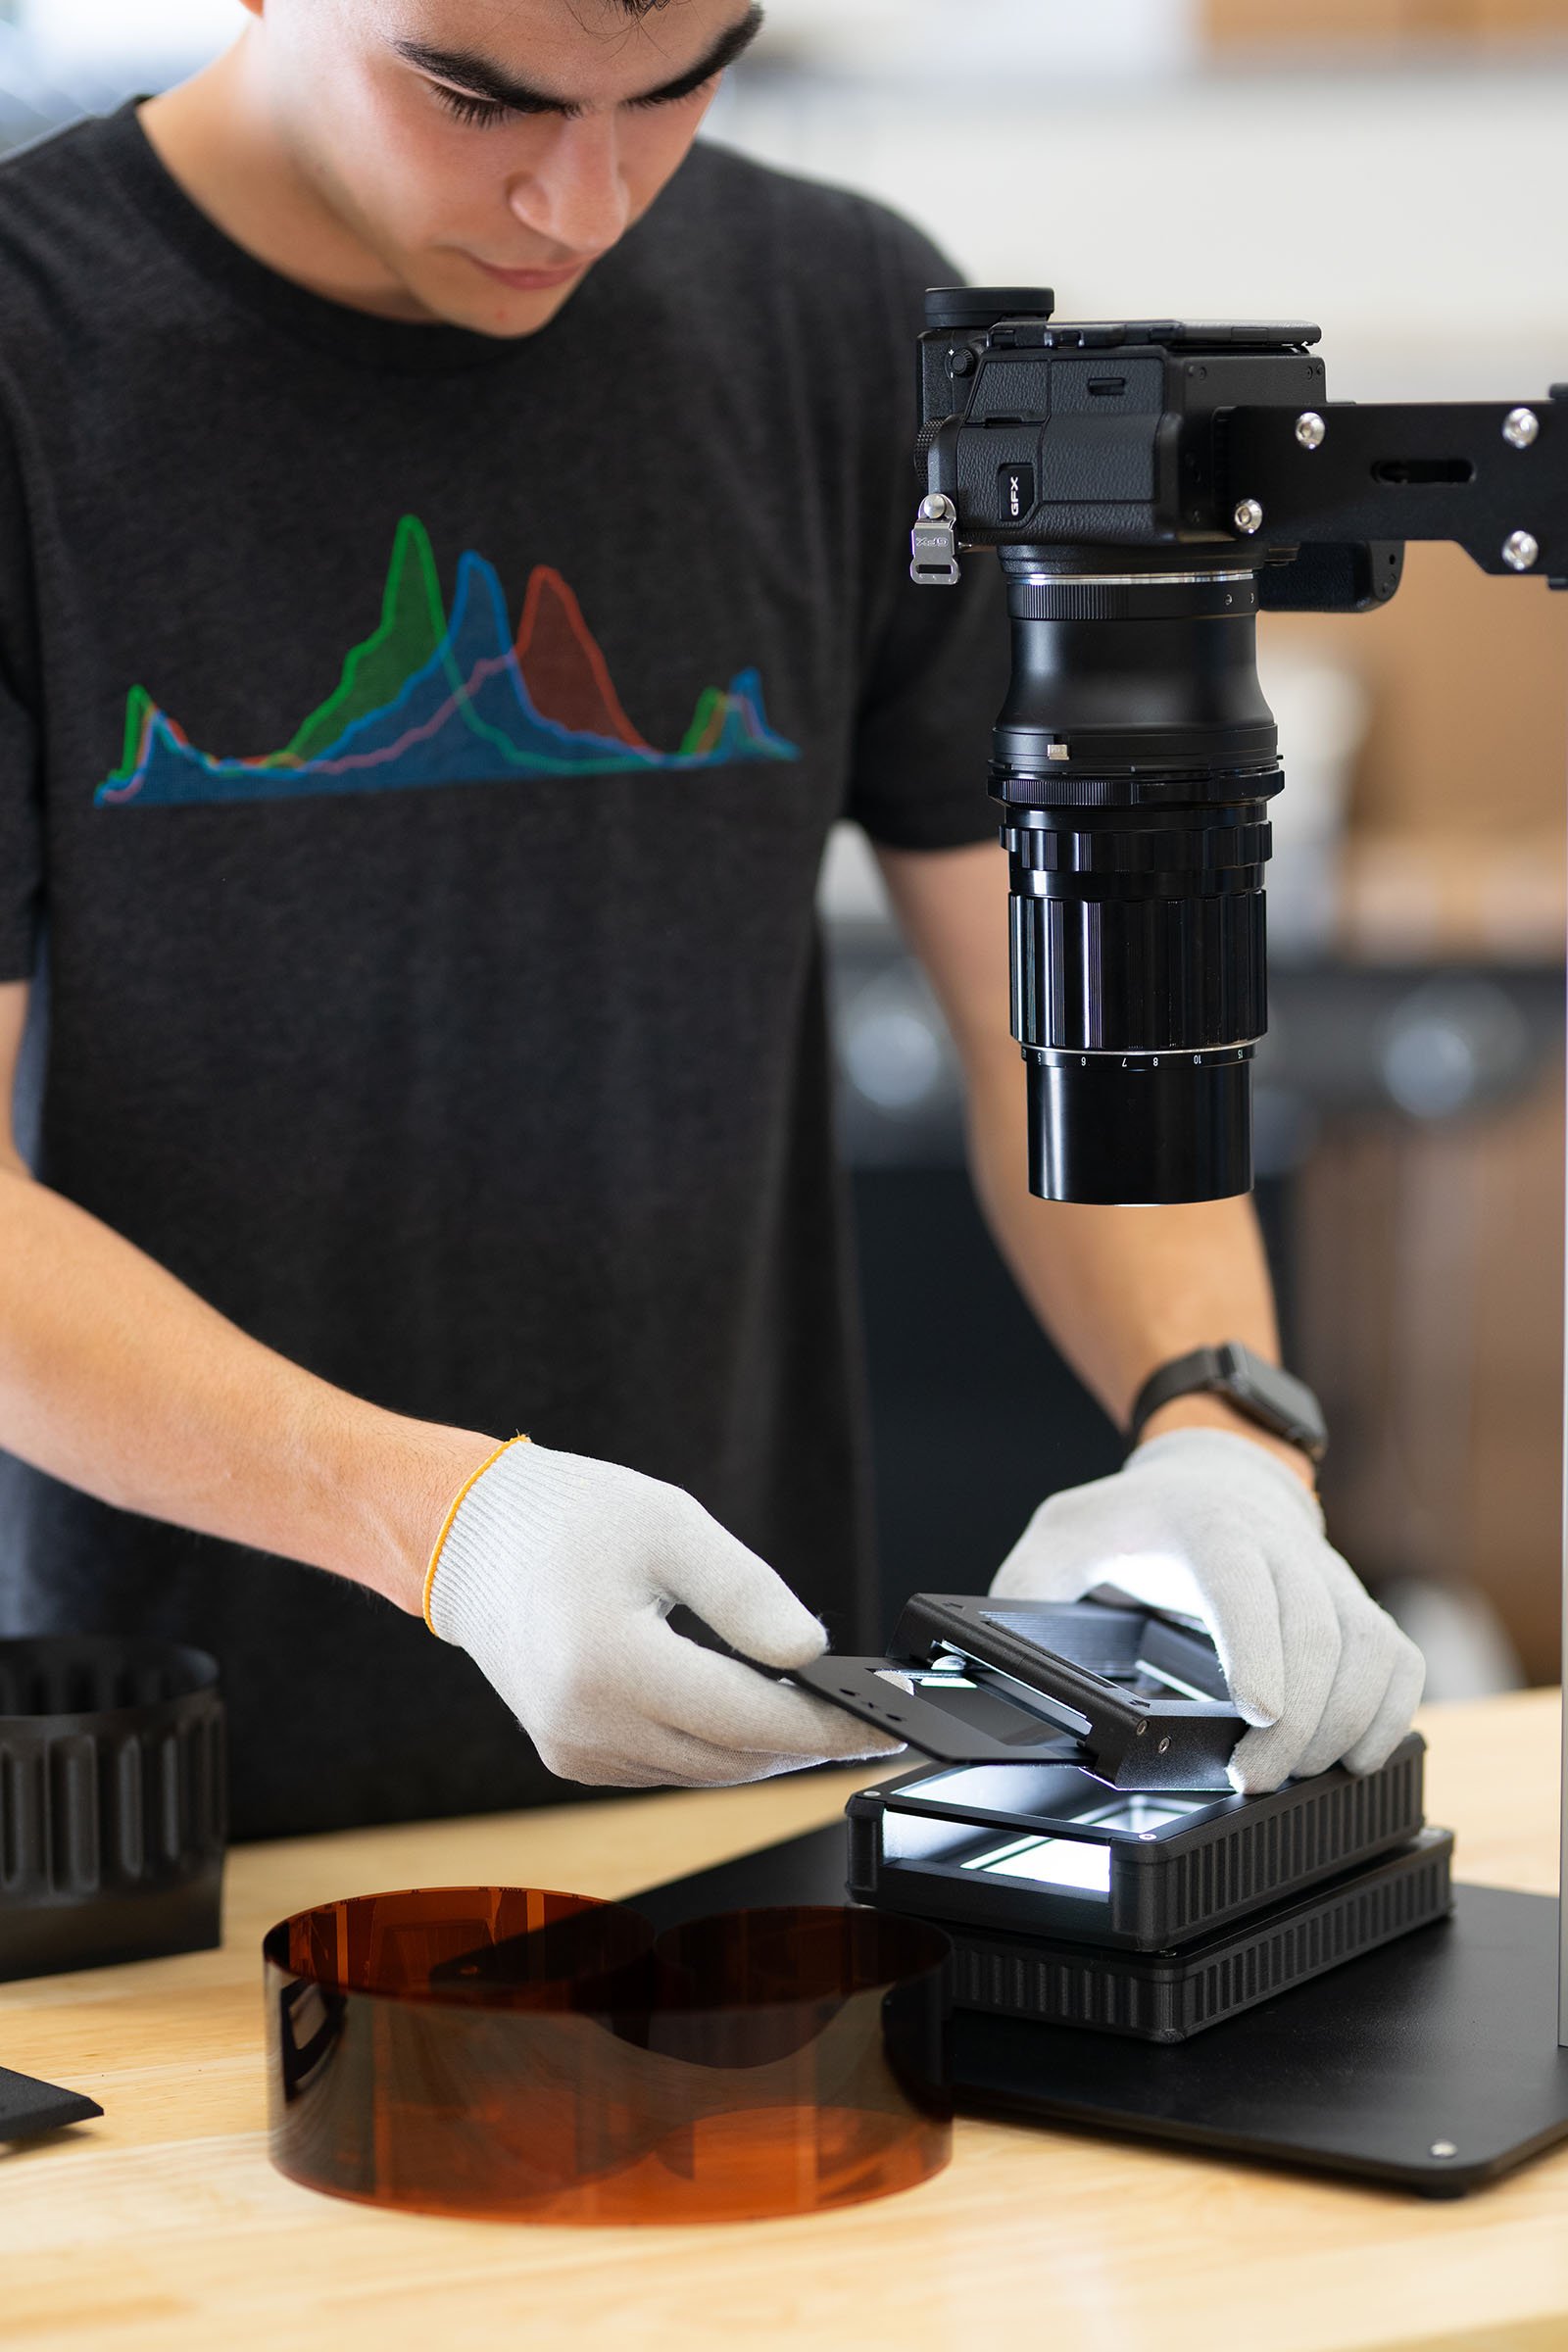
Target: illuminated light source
{"points": [[1051, 1862]]}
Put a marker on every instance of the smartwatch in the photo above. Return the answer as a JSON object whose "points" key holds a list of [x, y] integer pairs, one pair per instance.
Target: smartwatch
{"points": [[1276, 1401]]}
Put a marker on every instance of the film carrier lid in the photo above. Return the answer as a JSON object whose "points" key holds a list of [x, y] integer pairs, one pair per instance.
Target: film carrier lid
{"points": [[1134, 1695]]}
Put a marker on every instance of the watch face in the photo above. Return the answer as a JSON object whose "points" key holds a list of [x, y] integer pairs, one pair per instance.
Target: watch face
{"points": [[1282, 1402]]}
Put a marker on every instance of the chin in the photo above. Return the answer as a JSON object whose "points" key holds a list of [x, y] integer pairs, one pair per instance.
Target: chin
{"points": [[488, 309]]}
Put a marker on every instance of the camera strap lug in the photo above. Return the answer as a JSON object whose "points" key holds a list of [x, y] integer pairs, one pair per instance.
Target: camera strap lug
{"points": [[933, 543]]}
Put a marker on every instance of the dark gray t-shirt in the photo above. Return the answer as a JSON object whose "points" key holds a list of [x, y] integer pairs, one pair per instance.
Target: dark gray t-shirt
{"points": [[415, 757]]}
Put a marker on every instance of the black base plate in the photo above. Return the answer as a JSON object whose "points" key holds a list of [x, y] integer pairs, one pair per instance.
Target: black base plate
{"points": [[1446, 2040], [27, 2106]]}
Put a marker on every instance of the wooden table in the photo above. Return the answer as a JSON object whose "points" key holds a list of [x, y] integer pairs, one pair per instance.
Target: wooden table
{"points": [[163, 2226]]}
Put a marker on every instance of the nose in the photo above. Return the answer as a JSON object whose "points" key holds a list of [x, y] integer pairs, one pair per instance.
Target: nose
{"points": [[576, 192]]}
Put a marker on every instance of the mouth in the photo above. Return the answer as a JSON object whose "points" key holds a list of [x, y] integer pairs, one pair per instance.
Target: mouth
{"points": [[531, 282]]}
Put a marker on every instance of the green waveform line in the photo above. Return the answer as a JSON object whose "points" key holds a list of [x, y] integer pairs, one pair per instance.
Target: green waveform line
{"points": [[412, 624], [140, 710], [702, 727]]}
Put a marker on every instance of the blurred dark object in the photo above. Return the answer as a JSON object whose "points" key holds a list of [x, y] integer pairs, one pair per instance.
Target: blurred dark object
{"points": [[28, 2107], [113, 1827], [1430, 1279]]}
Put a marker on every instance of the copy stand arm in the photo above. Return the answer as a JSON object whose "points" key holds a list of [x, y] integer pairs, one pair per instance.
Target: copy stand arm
{"points": [[1490, 477]]}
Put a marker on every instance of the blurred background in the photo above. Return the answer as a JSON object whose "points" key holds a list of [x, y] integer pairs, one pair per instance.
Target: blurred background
{"points": [[1391, 168]]}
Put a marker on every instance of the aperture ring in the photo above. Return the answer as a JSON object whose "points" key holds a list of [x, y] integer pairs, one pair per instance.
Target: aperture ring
{"points": [[1022, 793]]}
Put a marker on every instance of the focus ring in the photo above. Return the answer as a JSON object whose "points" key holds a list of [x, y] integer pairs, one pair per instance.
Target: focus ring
{"points": [[1137, 975], [1060, 854]]}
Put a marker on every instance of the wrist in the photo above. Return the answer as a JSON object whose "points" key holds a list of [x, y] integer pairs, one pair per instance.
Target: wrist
{"points": [[399, 1482], [1205, 1410]]}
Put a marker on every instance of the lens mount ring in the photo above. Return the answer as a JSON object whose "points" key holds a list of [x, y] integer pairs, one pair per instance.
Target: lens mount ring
{"points": [[1134, 596], [1130, 579]]}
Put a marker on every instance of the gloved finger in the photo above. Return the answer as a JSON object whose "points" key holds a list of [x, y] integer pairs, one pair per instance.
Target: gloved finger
{"points": [[744, 1601], [1110, 1534], [1064, 1549], [1240, 1606], [1038, 1568], [1369, 1642], [1400, 1698], [717, 1698], [1309, 1639], [1062, 1562]]}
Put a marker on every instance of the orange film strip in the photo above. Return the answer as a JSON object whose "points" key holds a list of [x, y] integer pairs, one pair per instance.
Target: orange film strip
{"points": [[526, 2055]]}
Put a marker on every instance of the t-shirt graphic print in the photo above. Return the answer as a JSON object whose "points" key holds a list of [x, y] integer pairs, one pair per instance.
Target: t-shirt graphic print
{"points": [[432, 698]]}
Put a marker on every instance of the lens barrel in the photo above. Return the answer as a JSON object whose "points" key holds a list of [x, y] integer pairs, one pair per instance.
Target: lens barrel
{"points": [[1134, 761]]}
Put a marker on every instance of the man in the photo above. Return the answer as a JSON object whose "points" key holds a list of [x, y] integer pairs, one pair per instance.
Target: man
{"points": [[450, 582]]}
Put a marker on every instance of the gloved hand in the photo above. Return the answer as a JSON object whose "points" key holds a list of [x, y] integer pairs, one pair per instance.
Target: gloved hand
{"points": [[1212, 1525], [556, 1573]]}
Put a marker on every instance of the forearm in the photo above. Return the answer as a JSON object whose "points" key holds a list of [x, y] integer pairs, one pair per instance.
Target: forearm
{"points": [[1121, 1289], [116, 1379]]}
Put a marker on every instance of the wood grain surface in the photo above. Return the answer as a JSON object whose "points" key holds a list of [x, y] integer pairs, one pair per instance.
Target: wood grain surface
{"points": [[164, 2227]]}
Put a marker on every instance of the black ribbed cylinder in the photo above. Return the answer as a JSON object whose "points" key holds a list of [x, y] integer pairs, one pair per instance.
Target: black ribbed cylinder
{"points": [[113, 1804], [1139, 941]]}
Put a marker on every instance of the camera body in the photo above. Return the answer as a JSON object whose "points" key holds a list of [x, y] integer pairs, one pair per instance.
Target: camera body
{"points": [[1040, 431], [1102, 434]]}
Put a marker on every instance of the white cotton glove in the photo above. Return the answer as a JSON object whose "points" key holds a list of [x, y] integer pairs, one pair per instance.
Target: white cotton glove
{"points": [[556, 1573], [1212, 1525]]}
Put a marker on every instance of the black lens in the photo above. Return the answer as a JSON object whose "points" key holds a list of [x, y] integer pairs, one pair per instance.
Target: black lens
{"points": [[1134, 761]]}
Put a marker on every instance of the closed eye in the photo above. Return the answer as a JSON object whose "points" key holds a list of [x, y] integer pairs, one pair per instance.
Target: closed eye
{"points": [[677, 94], [462, 108]]}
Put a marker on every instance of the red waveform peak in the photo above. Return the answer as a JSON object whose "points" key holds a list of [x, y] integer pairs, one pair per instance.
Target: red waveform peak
{"points": [[563, 666]]}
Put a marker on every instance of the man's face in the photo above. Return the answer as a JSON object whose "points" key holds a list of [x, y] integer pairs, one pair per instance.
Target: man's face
{"points": [[488, 152]]}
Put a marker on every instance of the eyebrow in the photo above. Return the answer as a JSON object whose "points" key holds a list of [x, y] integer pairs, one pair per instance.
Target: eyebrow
{"points": [[481, 78]]}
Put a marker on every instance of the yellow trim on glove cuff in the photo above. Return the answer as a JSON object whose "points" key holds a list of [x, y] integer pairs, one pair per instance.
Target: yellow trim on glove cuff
{"points": [[457, 1501]]}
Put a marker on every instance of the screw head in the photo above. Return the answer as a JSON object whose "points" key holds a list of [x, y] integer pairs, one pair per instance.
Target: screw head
{"points": [[1310, 429], [1519, 551], [1443, 2147], [937, 507], [1248, 517], [1520, 428]]}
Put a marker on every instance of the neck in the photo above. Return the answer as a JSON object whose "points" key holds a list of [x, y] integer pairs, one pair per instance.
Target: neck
{"points": [[219, 137]]}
